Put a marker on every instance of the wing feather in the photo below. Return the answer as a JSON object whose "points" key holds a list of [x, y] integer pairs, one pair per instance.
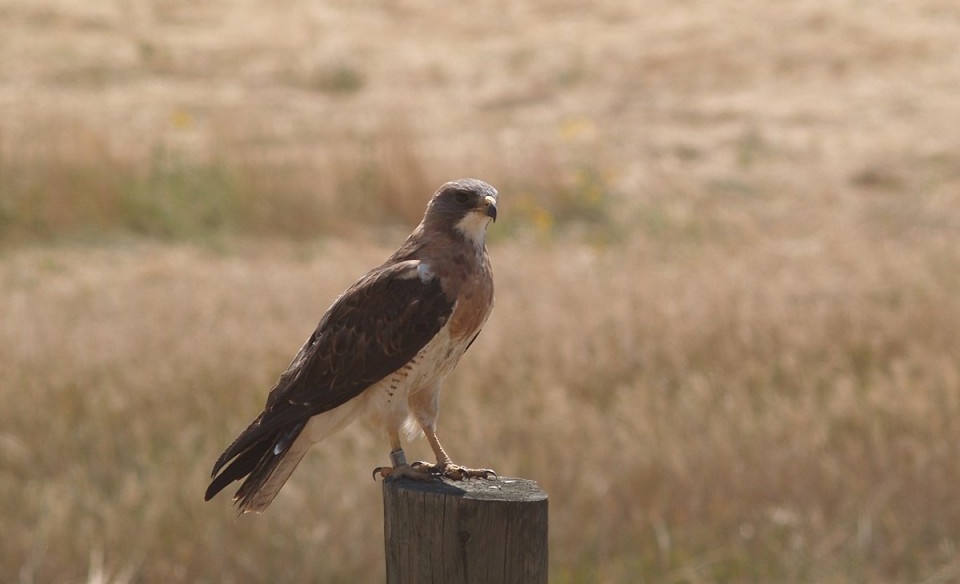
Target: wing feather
{"points": [[373, 329]]}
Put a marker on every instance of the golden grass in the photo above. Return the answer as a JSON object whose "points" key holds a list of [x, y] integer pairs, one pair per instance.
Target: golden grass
{"points": [[726, 339], [774, 412]]}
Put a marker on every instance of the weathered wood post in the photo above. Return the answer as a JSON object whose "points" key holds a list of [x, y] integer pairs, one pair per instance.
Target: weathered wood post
{"points": [[476, 531]]}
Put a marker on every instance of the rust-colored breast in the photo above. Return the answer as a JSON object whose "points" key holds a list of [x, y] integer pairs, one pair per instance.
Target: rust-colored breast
{"points": [[474, 304]]}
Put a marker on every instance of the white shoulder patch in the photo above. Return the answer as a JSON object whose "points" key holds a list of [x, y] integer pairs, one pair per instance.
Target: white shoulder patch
{"points": [[417, 269], [425, 272]]}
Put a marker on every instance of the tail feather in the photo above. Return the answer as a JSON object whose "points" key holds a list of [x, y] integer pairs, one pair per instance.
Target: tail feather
{"points": [[265, 457], [241, 467], [262, 485], [266, 464]]}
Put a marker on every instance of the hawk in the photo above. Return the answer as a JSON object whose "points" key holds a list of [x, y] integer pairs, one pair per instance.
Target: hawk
{"points": [[382, 350]]}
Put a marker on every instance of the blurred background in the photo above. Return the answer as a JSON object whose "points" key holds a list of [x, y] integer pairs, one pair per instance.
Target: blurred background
{"points": [[727, 333]]}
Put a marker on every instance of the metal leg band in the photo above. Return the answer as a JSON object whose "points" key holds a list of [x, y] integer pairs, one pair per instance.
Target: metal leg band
{"points": [[397, 458]]}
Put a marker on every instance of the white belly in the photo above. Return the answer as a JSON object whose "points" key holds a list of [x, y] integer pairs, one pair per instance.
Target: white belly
{"points": [[387, 399]]}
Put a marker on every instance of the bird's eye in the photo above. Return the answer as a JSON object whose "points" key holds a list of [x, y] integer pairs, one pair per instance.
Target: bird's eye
{"points": [[462, 198]]}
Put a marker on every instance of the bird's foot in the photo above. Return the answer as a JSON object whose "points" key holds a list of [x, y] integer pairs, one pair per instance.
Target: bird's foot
{"points": [[451, 471], [403, 471]]}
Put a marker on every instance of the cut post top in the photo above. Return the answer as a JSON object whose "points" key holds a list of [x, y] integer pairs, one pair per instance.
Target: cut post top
{"points": [[497, 489]]}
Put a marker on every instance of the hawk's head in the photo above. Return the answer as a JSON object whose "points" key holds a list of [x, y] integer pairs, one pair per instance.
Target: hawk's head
{"points": [[466, 206]]}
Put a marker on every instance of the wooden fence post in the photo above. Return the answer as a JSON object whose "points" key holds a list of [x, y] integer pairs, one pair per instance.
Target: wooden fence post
{"points": [[473, 531]]}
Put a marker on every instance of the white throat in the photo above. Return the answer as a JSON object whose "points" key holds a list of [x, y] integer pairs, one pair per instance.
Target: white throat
{"points": [[474, 227]]}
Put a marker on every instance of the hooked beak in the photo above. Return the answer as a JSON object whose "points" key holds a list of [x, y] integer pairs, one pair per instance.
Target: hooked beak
{"points": [[490, 207]]}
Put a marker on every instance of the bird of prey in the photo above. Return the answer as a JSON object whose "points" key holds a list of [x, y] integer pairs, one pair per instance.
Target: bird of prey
{"points": [[381, 350]]}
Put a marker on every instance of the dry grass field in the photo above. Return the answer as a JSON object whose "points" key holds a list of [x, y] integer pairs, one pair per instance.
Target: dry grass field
{"points": [[727, 333]]}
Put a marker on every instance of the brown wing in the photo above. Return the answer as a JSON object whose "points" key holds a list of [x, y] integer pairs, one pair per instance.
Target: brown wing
{"points": [[373, 329]]}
